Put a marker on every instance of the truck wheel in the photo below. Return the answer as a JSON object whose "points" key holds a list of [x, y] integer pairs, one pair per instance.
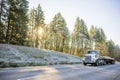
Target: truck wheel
{"points": [[112, 62], [104, 63], [97, 63], [84, 64]]}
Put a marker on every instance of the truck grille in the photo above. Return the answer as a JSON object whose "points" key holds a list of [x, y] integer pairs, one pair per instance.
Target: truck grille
{"points": [[87, 58]]}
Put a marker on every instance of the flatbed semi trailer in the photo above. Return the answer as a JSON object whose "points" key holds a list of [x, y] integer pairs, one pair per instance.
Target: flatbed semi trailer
{"points": [[93, 57]]}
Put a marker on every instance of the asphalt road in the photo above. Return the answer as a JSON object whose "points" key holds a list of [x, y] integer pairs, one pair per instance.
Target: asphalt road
{"points": [[62, 72]]}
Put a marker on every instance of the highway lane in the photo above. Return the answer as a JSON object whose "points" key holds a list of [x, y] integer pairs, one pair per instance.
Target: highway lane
{"points": [[62, 72]]}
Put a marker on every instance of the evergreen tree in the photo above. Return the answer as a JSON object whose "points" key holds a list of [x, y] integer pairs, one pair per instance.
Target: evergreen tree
{"points": [[39, 24], [92, 37], [111, 48], [17, 22], [100, 35], [76, 37], [31, 27], [117, 52], [79, 37], [3, 19], [100, 41], [59, 33], [103, 36], [84, 36], [23, 20]]}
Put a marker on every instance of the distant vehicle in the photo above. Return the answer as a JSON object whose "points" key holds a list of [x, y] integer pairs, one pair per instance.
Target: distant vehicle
{"points": [[93, 57]]}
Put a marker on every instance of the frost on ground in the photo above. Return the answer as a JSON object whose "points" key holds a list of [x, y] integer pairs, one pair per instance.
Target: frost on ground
{"points": [[11, 55]]}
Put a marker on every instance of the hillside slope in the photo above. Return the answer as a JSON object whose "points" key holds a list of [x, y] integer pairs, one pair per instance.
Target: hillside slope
{"points": [[13, 56]]}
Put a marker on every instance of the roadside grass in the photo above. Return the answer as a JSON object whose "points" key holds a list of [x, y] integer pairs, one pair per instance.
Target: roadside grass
{"points": [[32, 52], [18, 56]]}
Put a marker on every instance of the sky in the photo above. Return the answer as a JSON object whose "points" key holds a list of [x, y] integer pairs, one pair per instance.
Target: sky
{"points": [[100, 13]]}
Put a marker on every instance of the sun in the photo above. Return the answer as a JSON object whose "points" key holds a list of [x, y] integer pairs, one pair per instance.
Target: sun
{"points": [[40, 31]]}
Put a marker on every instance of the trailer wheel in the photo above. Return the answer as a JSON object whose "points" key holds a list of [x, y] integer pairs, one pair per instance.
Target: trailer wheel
{"points": [[112, 62], [104, 63]]}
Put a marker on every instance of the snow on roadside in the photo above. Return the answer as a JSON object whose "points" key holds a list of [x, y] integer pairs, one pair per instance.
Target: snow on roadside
{"points": [[34, 56]]}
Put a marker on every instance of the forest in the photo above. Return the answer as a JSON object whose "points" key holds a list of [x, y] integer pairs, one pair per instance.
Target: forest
{"points": [[21, 26]]}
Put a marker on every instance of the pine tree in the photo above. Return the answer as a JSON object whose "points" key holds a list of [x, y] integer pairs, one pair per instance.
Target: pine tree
{"points": [[23, 20], [111, 45], [100, 41], [31, 27], [39, 24], [3, 19], [103, 36], [59, 33], [76, 37], [85, 35], [17, 22], [92, 37], [79, 37], [117, 52]]}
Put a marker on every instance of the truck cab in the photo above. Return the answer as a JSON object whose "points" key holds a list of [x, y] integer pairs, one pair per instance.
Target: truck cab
{"points": [[91, 56]]}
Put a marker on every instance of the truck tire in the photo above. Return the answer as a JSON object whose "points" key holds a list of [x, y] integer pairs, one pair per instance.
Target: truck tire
{"points": [[84, 64], [104, 63], [97, 63], [112, 62]]}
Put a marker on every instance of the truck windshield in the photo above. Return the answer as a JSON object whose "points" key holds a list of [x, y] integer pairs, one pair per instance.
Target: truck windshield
{"points": [[91, 52]]}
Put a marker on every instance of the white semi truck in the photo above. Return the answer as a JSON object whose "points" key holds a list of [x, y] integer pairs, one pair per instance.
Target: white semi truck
{"points": [[93, 57]]}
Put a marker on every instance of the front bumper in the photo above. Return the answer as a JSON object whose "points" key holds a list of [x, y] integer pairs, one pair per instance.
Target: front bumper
{"points": [[89, 62]]}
